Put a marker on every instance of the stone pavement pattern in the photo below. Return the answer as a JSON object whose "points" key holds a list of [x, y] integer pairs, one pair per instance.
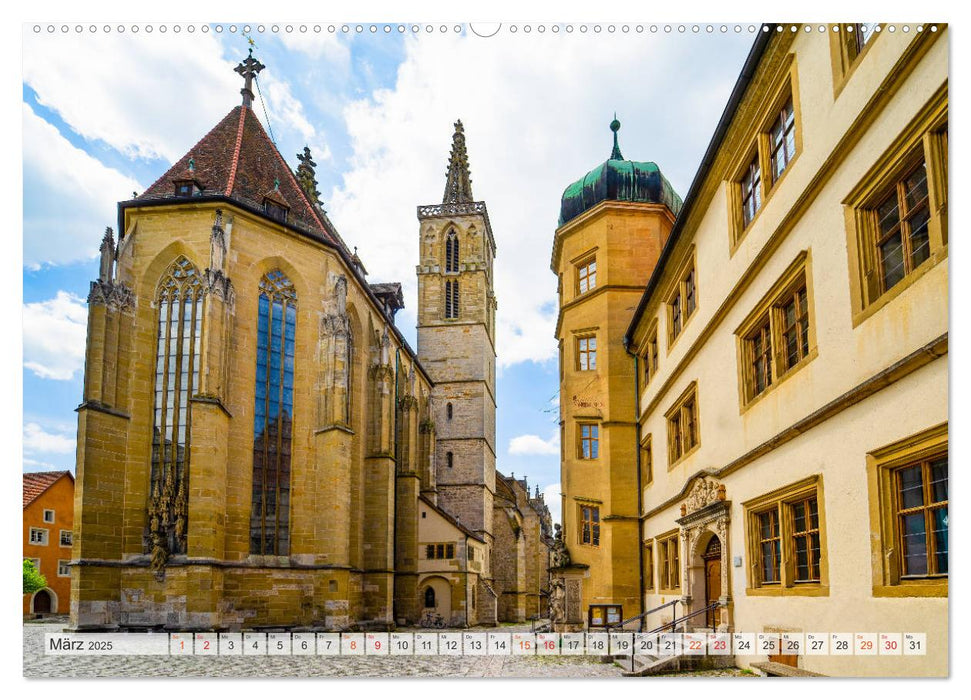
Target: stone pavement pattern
{"points": [[39, 665]]}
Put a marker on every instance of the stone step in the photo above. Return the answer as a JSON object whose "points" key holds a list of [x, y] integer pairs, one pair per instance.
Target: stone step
{"points": [[650, 665]]}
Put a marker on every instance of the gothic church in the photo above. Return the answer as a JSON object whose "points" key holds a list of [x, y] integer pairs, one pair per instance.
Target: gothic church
{"points": [[258, 445]]}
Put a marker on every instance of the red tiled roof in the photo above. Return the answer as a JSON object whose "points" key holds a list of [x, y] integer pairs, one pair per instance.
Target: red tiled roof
{"points": [[236, 159], [35, 483]]}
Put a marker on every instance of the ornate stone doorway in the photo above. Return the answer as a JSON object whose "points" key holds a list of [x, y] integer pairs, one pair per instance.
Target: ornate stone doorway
{"points": [[705, 557]]}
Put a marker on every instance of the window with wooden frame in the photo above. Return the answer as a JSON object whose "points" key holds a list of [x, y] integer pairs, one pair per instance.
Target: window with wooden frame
{"points": [[774, 143], [785, 541], [751, 184], [649, 566], [64, 568], [647, 461], [682, 419], [588, 441], [441, 550], [683, 300], [669, 567], [897, 215], [778, 336], [909, 513], [587, 353], [848, 44], [589, 525], [650, 359], [48, 516], [586, 275], [67, 538]]}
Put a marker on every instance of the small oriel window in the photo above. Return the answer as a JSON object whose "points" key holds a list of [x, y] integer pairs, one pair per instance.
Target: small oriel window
{"points": [[275, 211]]}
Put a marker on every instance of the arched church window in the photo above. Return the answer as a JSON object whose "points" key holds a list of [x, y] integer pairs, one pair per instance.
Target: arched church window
{"points": [[179, 301], [349, 390], [273, 415], [429, 597], [451, 252]]}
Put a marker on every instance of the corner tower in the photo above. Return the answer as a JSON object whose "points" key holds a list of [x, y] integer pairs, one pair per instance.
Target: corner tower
{"points": [[456, 344], [613, 223]]}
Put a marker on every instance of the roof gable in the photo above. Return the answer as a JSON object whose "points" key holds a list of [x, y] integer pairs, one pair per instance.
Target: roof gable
{"points": [[237, 160], [36, 483]]}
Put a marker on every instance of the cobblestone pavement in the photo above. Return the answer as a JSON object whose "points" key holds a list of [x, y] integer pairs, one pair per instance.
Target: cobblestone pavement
{"points": [[39, 665]]}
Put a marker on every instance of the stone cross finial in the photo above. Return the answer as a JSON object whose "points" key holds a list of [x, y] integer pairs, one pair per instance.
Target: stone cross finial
{"points": [[249, 68]]}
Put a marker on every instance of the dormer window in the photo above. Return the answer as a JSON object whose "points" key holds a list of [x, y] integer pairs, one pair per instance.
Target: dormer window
{"points": [[187, 188], [274, 210]]}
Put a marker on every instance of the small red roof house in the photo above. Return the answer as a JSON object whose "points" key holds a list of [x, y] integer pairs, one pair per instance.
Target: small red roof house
{"points": [[48, 537]]}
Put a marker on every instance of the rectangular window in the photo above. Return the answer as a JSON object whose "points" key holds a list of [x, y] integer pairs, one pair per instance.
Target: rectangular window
{"points": [[668, 561], [908, 492], [759, 351], [66, 538], [782, 140], [451, 299], [794, 314], [778, 333], [651, 357], [587, 353], [589, 444], [647, 462], [897, 215], [785, 540], [590, 525], [62, 568], [805, 539], [751, 185], [48, 516], [683, 302], [921, 517], [903, 241], [772, 147], [649, 566], [38, 536], [441, 550], [586, 276], [683, 434]]}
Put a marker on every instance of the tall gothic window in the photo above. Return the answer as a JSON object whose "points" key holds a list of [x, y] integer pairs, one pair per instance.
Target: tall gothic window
{"points": [[452, 299], [451, 252], [179, 301], [273, 416]]}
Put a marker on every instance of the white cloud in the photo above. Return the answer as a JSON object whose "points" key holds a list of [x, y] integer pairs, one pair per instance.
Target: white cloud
{"points": [[290, 121], [40, 466], [38, 440], [536, 111], [318, 45], [554, 501], [69, 196], [129, 91], [534, 445], [54, 336]]}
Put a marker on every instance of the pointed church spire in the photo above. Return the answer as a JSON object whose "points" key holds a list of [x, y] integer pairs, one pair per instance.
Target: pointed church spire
{"points": [[458, 183], [248, 68], [615, 127]]}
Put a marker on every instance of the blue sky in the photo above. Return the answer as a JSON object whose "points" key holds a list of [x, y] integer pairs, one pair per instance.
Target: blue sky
{"points": [[106, 114]]}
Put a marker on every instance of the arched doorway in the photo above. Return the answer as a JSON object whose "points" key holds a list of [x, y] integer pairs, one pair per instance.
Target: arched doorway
{"points": [[43, 603], [713, 578]]}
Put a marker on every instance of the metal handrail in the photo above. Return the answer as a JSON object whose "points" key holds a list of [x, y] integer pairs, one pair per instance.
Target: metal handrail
{"points": [[684, 618], [644, 614]]}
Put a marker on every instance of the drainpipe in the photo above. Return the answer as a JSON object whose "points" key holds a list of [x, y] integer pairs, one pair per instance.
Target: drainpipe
{"points": [[466, 582], [640, 493]]}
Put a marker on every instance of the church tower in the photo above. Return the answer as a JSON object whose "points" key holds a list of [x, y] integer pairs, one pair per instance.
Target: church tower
{"points": [[456, 345]]}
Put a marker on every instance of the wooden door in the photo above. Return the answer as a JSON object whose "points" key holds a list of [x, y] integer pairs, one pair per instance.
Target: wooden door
{"points": [[42, 602], [713, 578]]}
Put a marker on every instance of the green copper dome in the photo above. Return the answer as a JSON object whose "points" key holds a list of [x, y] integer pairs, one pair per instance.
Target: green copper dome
{"points": [[618, 180]]}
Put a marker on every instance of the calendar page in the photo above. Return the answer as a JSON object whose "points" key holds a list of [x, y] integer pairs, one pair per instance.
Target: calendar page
{"points": [[518, 349]]}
